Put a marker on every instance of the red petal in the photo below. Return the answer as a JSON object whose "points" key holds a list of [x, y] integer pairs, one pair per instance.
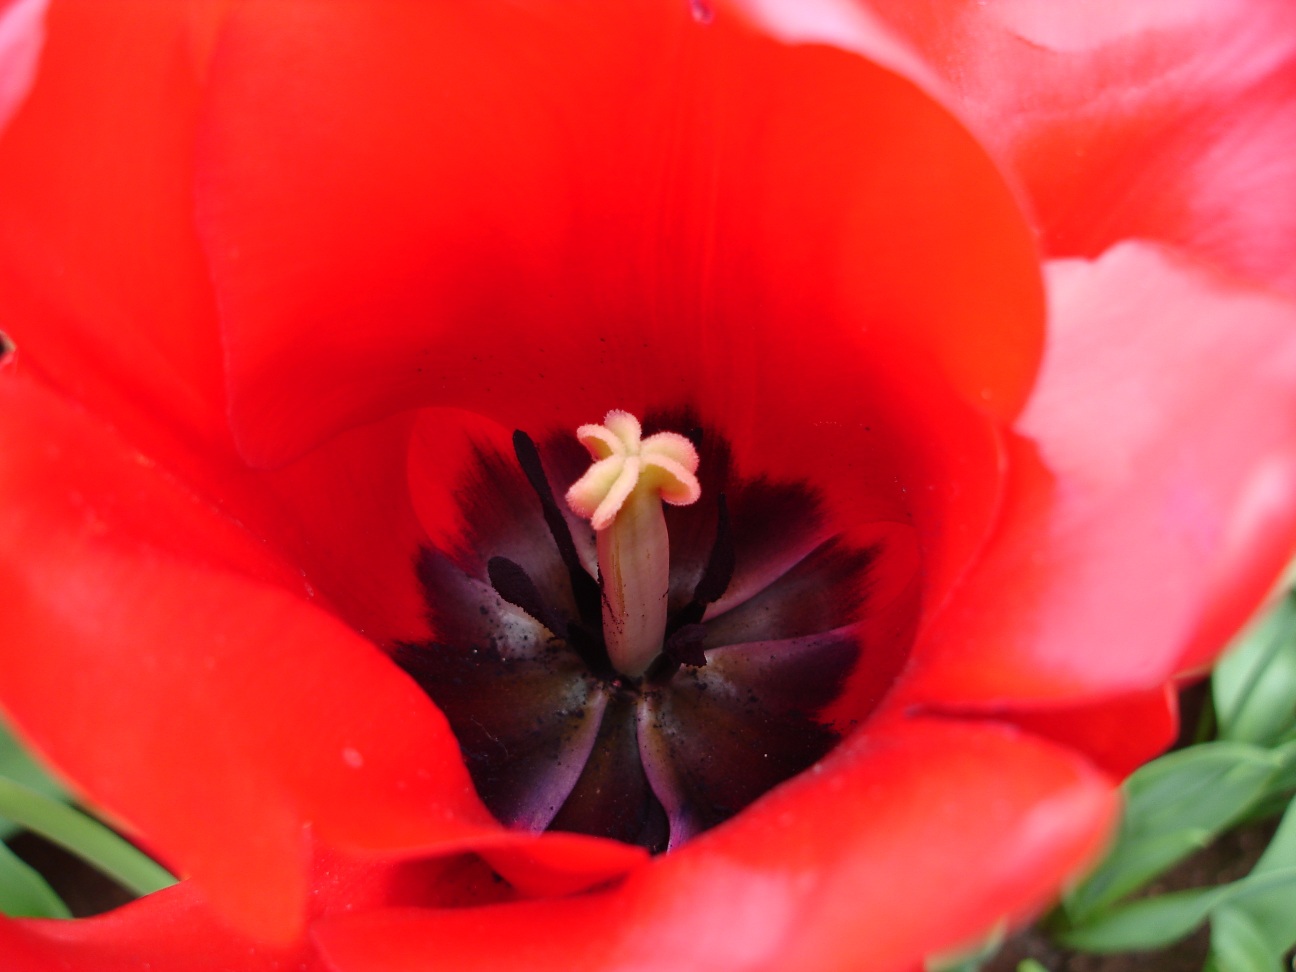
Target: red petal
{"points": [[104, 286], [535, 211], [176, 929], [22, 33], [167, 931], [106, 293], [153, 655], [1164, 120], [341, 514], [822, 874], [1119, 733], [1162, 502]]}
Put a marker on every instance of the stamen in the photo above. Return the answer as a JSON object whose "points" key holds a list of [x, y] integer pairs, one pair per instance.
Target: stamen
{"points": [[584, 589], [720, 565], [714, 580], [514, 585], [684, 647], [684, 631], [622, 493]]}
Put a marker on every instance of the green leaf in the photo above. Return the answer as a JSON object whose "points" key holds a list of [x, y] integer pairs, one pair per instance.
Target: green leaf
{"points": [[1030, 965], [1147, 924], [1254, 685], [23, 892], [1237, 945], [1281, 852], [1157, 922], [1278, 791], [1174, 806], [17, 764], [87, 838], [968, 959], [1131, 864], [972, 963], [1202, 787], [1285, 779], [1261, 927]]}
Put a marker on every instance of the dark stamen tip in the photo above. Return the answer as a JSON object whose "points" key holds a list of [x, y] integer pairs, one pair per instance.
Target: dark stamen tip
{"points": [[720, 565], [528, 457], [513, 584], [685, 645], [584, 588], [591, 650]]}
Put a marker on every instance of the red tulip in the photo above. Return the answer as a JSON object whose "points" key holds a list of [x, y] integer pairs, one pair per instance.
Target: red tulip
{"points": [[278, 273]]}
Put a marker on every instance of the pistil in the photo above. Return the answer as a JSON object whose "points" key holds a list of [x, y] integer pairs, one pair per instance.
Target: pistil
{"points": [[622, 495]]}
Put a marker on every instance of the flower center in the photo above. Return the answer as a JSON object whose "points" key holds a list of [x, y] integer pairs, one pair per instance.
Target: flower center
{"points": [[688, 679], [622, 495]]}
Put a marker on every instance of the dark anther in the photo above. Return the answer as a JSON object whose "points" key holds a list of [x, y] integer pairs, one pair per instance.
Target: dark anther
{"points": [[720, 565], [513, 584], [6, 346], [684, 647], [715, 576], [585, 590]]}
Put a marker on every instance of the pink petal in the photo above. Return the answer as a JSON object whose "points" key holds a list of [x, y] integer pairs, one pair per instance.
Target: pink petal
{"points": [[1157, 499]]}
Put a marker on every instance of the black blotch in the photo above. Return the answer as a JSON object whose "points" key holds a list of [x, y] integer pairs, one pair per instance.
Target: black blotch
{"points": [[748, 722], [515, 698], [613, 798], [514, 718], [825, 590]]}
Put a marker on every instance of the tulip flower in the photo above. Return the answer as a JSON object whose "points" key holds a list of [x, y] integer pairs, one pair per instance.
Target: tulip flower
{"points": [[355, 348]]}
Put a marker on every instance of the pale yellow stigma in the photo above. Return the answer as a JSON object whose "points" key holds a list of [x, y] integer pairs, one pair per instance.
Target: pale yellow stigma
{"points": [[622, 494], [664, 463]]}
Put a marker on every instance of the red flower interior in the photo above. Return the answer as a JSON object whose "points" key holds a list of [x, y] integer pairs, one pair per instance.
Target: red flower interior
{"points": [[231, 439]]}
